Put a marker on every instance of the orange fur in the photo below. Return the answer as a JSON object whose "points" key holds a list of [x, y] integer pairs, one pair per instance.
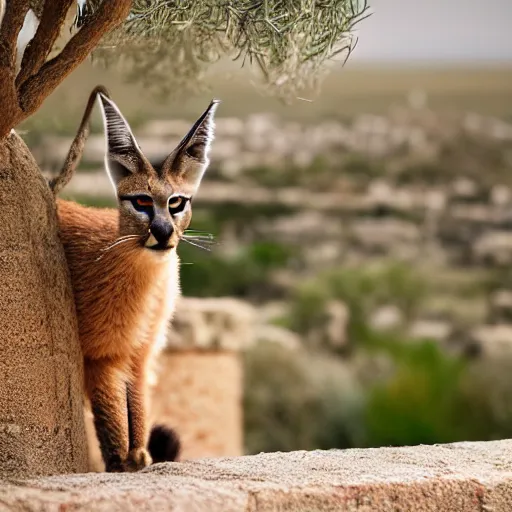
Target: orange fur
{"points": [[128, 301]]}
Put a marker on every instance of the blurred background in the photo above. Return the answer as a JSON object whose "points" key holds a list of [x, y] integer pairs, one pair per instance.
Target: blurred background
{"points": [[367, 224]]}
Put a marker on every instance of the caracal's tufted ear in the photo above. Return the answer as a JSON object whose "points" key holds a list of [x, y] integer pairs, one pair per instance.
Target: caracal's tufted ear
{"points": [[123, 155], [190, 159]]}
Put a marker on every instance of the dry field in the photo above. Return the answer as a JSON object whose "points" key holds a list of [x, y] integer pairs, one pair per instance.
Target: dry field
{"points": [[344, 93]]}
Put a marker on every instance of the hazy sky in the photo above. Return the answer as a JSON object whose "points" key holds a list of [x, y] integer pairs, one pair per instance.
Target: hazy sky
{"points": [[423, 30]]}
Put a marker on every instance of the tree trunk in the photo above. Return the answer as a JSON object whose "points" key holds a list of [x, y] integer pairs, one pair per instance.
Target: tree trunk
{"points": [[41, 400]]}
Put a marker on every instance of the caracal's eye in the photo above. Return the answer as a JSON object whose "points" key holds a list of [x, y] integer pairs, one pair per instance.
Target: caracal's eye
{"points": [[144, 201], [142, 204], [177, 204], [174, 202]]}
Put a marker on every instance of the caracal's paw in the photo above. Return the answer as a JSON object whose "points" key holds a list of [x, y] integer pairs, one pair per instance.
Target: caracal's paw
{"points": [[137, 459], [114, 464]]}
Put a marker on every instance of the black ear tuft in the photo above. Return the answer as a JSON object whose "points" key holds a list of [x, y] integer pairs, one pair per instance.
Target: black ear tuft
{"points": [[197, 150], [197, 142], [190, 159], [164, 444], [119, 135], [123, 152]]}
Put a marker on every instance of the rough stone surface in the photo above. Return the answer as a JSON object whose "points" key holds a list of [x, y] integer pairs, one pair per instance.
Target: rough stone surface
{"points": [[200, 395], [41, 418], [452, 478]]}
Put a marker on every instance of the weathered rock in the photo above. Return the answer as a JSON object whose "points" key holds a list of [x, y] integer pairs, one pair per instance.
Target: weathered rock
{"points": [[336, 324], [501, 306], [387, 318], [500, 195], [493, 340], [228, 126], [211, 324], [452, 478], [438, 330], [272, 310], [276, 334], [164, 129], [382, 193], [310, 226], [465, 189], [389, 236], [494, 247]]}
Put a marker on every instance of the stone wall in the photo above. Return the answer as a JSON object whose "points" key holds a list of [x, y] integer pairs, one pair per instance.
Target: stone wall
{"points": [[199, 393], [462, 477]]}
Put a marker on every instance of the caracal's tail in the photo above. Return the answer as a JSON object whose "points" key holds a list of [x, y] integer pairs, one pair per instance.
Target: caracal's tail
{"points": [[77, 146]]}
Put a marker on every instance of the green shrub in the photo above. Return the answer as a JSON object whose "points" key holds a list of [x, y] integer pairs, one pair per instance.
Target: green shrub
{"points": [[422, 403], [247, 274], [487, 393], [269, 255], [271, 177], [317, 175], [362, 168], [371, 285], [296, 401], [362, 289], [308, 307]]}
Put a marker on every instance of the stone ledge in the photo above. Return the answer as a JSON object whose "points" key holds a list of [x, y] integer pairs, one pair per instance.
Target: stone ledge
{"points": [[458, 477]]}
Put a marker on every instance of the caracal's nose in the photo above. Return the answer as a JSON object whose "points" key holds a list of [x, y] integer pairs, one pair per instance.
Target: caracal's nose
{"points": [[161, 230]]}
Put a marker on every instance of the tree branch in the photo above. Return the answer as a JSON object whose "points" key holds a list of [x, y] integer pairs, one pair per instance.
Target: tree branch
{"points": [[107, 17], [11, 25], [14, 17], [52, 19]]}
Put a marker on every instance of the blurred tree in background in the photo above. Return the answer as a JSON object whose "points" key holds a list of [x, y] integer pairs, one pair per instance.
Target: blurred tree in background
{"points": [[169, 44]]}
